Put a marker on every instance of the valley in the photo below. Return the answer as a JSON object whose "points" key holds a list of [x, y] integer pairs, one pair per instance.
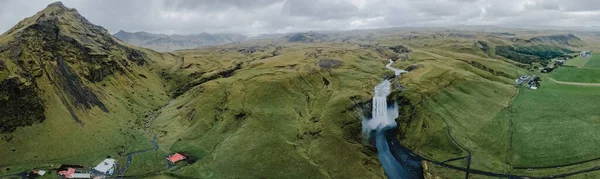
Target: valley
{"points": [[293, 105]]}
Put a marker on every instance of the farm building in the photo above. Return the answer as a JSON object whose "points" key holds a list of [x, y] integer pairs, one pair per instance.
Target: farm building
{"points": [[105, 167], [176, 158], [586, 53]]}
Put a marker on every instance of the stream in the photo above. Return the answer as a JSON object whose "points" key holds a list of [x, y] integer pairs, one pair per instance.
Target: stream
{"points": [[154, 143], [397, 161]]}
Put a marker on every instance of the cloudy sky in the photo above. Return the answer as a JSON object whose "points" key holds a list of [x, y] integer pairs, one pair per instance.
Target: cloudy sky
{"points": [[253, 17]]}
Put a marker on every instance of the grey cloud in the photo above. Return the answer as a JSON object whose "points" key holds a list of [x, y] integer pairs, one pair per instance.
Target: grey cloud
{"points": [[215, 5], [320, 9], [270, 16], [580, 5], [438, 7]]}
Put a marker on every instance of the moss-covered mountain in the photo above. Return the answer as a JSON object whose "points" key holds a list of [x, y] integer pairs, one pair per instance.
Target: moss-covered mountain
{"points": [[69, 85], [60, 48]]}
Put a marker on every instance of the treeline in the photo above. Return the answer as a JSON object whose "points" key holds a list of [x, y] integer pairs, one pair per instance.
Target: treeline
{"points": [[532, 53]]}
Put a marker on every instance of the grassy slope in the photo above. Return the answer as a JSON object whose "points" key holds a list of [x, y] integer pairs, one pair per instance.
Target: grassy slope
{"points": [[103, 134], [267, 117]]}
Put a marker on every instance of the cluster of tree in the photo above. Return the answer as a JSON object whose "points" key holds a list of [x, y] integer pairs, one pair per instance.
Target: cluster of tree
{"points": [[550, 69], [545, 52], [510, 53], [532, 53]]}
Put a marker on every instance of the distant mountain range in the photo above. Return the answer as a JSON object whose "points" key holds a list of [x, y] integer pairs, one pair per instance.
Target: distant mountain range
{"points": [[164, 43]]}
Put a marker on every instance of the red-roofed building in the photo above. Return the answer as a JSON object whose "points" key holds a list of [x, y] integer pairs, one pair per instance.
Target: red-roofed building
{"points": [[176, 158], [67, 173], [70, 173]]}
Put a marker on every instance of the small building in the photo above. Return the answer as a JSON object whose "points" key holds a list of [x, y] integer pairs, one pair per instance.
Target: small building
{"points": [[586, 53], [521, 79], [105, 167], [41, 172], [176, 157], [37, 173]]}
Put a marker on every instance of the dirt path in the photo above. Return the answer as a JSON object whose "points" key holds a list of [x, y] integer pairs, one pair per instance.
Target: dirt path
{"points": [[584, 62], [574, 83]]}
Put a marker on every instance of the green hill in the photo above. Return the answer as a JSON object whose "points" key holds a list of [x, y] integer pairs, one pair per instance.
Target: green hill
{"points": [[71, 93]]}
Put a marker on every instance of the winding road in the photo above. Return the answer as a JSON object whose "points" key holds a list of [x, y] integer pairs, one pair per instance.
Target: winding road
{"points": [[584, 62]]}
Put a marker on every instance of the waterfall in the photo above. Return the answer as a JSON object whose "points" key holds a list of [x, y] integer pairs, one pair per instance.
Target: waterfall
{"points": [[383, 116], [382, 120]]}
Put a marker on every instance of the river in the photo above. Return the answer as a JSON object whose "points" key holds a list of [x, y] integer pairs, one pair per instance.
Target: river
{"points": [[397, 161]]}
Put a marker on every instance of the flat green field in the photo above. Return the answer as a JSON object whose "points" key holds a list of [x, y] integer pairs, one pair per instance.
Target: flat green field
{"points": [[594, 62], [582, 75], [555, 125], [575, 62]]}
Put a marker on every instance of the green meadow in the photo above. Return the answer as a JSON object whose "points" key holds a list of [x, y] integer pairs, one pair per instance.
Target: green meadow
{"points": [[572, 74], [555, 125]]}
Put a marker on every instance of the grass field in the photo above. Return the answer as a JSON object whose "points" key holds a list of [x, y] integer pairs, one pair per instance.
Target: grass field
{"points": [[555, 125], [594, 62], [571, 74]]}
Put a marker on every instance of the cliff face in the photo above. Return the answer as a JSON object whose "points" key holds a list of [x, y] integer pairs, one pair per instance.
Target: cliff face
{"points": [[15, 96], [57, 47]]}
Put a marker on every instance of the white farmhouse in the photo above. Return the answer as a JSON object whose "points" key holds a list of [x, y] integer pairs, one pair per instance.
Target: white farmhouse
{"points": [[106, 166]]}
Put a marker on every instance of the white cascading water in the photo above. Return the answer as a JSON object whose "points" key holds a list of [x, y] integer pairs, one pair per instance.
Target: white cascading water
{"points": [[383, 117]]}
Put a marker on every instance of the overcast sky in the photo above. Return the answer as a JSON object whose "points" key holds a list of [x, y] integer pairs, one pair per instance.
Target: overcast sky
{"points": [[253, 17]]}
